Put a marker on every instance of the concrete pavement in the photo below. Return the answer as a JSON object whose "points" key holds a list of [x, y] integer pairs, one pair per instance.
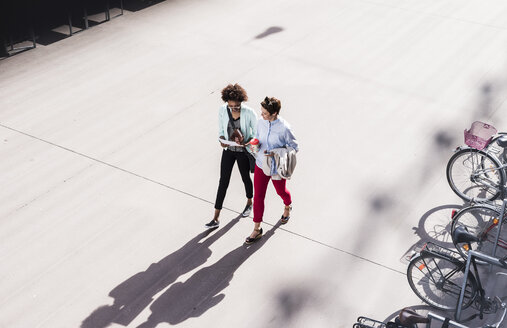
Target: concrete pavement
{"points": [[110, 162]]}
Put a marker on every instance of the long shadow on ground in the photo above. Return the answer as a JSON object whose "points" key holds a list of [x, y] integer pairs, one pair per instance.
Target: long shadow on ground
{"points": [[133, 295], [203, 290]]}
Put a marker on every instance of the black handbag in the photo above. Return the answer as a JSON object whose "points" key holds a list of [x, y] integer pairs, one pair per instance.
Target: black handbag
{"points": [[251, 158]]}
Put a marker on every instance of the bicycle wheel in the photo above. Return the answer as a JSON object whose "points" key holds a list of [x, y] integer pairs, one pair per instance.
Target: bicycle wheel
{"points": [[437, 281], [483, 221], [474, 174]]}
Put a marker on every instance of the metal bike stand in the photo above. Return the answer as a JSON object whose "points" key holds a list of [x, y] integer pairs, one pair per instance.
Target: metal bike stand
{"points": [[488, 259], [442, 319], [463, 287], [500, 221]]}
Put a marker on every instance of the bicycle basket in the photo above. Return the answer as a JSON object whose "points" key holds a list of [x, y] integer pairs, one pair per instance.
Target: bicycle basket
{"points": [[479, 135]]}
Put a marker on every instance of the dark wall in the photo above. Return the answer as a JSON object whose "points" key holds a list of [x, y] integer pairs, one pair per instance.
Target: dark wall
{"points": [[19, 17], [34, 20]]}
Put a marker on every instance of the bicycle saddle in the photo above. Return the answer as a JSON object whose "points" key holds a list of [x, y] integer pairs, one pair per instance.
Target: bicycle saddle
{"points": [[502, 141], [409, 317], [461, 235]]}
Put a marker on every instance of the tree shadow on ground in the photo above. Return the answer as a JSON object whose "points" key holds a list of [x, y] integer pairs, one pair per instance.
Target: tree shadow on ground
{"points": [[269, 31], [133, 295], [202, 290]]}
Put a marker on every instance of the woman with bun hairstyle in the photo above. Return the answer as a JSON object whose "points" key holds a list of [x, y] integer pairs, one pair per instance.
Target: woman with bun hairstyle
{"points": [[236, 122], [273, 133]]}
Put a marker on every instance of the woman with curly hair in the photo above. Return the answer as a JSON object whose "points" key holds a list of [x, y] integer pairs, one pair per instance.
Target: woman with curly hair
{"points": [[236, 122], [275, 140]]}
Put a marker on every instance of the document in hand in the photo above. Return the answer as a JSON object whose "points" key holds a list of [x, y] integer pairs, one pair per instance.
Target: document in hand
{"points": [[229, 143]]}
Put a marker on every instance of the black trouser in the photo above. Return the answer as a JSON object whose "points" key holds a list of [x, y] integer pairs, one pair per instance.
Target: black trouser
{"points": [[226, 165]]}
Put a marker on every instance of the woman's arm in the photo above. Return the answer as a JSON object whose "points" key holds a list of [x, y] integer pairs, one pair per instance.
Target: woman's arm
{"points": [[254, 120], [221, 132], [257, 129], [291, 139], [251, 125]]}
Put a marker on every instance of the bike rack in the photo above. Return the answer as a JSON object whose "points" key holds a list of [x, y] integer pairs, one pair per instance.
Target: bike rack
{"points": [[500, 221], [432, 315], [489, 259]]}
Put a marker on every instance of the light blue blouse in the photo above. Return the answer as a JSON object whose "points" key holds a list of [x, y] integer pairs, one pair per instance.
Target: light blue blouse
{"points": [[271, 135], [247, 120]]}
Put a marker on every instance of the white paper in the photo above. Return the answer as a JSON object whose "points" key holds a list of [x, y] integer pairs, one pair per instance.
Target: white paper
{"points": [[229, 143]]}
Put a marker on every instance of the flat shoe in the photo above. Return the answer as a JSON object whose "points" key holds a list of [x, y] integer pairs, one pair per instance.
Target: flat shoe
{"points": [[212, 224]]}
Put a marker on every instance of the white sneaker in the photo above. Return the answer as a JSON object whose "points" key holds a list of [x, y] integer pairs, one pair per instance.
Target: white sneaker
{"points": [[247, 211]]}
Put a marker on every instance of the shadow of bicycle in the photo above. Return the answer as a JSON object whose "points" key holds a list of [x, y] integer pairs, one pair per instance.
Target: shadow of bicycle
{"points": [[433, 226]]}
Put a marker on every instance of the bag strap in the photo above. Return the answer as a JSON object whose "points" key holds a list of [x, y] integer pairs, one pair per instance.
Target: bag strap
{"points": [[229, 113], [231, 120], [230, 117]]}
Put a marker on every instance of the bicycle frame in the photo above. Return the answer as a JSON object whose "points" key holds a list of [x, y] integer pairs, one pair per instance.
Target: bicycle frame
{"points": [[503, 214], [459, 263], [491, 148], [503, 165], [497, 242], [480, 173], [503, 217]]}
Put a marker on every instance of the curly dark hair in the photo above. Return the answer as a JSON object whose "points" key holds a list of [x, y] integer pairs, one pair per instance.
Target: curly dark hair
{"points": [[272, 105], [234, 92]]}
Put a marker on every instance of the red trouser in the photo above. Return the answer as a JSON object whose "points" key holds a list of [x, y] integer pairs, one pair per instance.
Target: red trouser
{"points": [[260, 186]]}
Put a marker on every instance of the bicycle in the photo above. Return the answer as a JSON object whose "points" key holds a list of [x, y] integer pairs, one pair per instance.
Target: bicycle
{"points": [[475, 173], [486, 222], [409, 318], [436, 274], [485, 304], [440, 277]]}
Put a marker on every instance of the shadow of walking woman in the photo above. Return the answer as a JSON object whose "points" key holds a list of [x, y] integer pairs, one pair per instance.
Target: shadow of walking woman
{"points": [[133, 295], [202, 290]]}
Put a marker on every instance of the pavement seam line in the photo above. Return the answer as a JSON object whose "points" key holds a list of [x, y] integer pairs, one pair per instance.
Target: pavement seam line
{"points": [[46, 192], [434, 14], [339, 250], [105, 163], [193, 196]]}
